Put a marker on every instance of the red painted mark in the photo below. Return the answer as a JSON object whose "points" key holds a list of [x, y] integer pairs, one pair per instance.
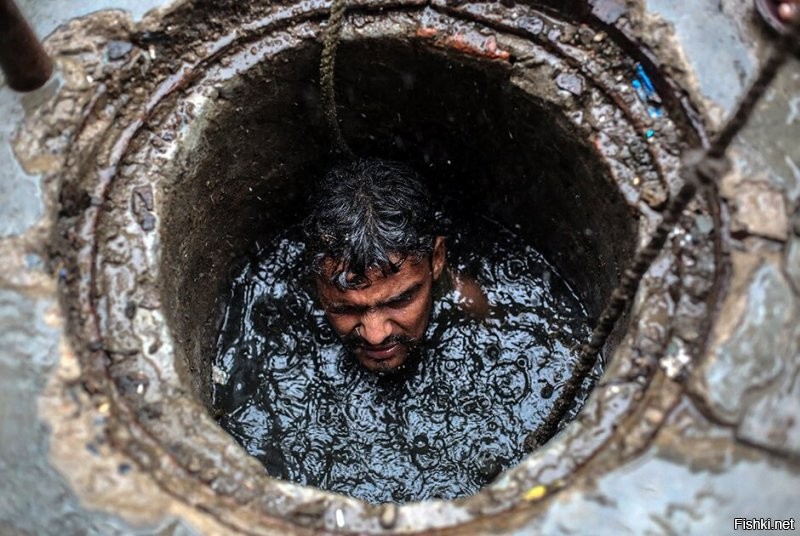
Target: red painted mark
{"points": [[427, 32], [486, 48]]}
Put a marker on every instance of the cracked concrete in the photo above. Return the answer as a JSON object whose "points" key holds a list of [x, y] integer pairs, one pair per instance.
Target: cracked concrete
{"points": [[722, 76], [687, 482], [755, 364], [31, 337]]}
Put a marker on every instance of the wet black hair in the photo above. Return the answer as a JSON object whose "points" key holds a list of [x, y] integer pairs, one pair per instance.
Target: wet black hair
{"points": [[364, 212]]}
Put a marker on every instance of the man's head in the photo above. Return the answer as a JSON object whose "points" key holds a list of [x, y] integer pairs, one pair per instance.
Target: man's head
{"points": [[375, 257]]}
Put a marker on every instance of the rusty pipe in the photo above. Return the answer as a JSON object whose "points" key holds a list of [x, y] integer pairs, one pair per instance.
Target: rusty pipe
{"points": [[23, 59]]}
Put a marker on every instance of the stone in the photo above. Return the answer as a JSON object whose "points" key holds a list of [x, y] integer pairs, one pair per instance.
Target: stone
{"points": [[118, 49], [773, 130], [608, 10], [533, 25], [586, 34], [388, 517], [773, 421], [760, 210], [756, 349], [570, 82], [722, 59], [792, 263], [654, 194], [36, 498], [693, 481]]}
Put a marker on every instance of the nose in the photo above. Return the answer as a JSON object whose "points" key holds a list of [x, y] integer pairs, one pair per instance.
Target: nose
{"points": [[375, 327]]}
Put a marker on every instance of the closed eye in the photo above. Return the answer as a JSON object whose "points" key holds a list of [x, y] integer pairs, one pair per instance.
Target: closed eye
{"points": [[403, 299], [342, 310], [397, 302]]}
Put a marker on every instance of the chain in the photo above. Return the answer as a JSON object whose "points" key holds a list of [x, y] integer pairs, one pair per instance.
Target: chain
{"points": [[327, 66], [700, 169]]}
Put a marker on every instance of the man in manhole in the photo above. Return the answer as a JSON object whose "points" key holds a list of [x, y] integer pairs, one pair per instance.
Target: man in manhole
{"points": [[434, 391]]}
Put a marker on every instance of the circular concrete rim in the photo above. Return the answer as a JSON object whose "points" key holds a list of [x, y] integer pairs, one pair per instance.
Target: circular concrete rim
{"points": [[289, 505]]}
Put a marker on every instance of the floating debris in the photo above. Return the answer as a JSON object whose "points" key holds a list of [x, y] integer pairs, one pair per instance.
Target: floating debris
{"points": [[536, 493]]}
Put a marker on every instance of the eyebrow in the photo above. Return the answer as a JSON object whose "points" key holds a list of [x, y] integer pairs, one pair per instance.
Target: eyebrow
{"points": [[394, 300]]}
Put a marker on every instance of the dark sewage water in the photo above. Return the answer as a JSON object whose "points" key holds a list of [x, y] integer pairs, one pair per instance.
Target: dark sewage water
{"points": [[443, 427]]}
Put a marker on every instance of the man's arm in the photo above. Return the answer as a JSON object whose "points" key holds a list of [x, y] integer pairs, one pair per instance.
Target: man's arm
{"points": [[789, 11]]}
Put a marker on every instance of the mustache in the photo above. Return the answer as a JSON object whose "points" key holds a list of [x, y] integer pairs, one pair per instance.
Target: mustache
{"points": [[352, 340]]}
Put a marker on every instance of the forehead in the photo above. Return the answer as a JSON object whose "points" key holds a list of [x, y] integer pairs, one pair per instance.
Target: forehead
{"points": [[381, 286]]}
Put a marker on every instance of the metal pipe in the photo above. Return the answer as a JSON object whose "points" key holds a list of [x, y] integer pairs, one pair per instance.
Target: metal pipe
{"points": [[23, 60]]}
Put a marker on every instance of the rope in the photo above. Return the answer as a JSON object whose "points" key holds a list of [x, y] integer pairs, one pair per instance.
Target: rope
{"points": [[327, 66], [701, 169]]}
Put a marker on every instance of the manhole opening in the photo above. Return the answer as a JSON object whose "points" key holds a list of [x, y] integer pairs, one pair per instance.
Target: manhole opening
{"points": [[473, 134]]}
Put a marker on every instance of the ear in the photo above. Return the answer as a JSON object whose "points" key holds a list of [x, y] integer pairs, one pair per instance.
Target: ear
{"points": [[438, 257]]}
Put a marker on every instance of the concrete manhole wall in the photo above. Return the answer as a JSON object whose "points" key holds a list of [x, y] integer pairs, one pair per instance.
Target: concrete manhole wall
{"points": [[179, 142], [496, 101]]}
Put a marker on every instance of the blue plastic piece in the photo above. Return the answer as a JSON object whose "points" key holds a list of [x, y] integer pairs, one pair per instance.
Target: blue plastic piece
{"points": [[646, 91], [648, 84]]}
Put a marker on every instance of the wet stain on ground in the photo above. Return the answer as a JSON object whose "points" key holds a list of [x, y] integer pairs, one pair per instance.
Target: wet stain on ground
{"points": [[443, 427]]}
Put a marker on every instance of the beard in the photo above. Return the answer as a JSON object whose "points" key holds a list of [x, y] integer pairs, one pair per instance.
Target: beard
{"points": [[355, 346]]}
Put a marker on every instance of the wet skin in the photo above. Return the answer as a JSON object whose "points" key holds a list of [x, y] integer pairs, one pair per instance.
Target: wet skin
{"points": [[470, 296], [789, 11], [382, 322]]}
